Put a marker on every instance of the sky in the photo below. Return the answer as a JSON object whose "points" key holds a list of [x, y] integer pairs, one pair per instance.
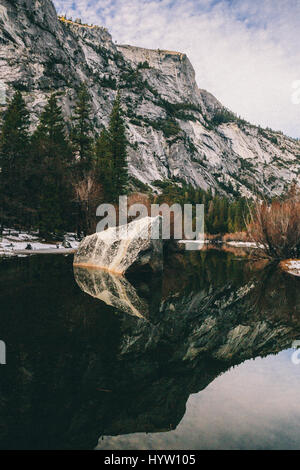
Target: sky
{"points": [[227, 414], [245, 52]]}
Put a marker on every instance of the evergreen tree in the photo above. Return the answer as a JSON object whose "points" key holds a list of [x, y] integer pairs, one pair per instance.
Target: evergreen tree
{"points": [[51, 157], [82, 130], [111, 156], [117, 150], [51, 133], [231, 218], [14, 139], [104, 165]]}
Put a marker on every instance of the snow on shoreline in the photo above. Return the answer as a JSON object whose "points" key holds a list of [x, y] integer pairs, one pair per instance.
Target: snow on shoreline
{"points": [[221, 242], [14, 243], [292, 266], [246, 244]]}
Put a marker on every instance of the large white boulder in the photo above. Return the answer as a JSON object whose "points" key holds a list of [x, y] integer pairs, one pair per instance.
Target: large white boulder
{"points": [[119, 248]]}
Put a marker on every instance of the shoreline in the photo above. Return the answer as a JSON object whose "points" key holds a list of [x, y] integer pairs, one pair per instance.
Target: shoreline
{"points": [[291, 266], [20, 243], [46, 251], [22, 252]]}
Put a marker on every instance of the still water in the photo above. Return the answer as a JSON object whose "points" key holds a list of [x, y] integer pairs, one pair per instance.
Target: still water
{"points": [[199, 358]]}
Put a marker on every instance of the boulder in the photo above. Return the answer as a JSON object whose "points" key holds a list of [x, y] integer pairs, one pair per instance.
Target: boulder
{"points": [[119, 248]]}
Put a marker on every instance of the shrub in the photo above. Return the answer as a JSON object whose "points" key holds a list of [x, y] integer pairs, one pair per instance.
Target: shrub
{"points": [[223, 116], [168, 126], [276, 227], [139, 185], [236, 237], [143, 65], [109, 82]]}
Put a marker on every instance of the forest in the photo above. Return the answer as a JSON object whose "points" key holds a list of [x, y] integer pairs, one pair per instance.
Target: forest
{"points": [[53, 178]]}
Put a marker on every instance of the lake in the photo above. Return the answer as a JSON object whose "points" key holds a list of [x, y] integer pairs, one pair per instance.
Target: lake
{"points": [[198, 358]]}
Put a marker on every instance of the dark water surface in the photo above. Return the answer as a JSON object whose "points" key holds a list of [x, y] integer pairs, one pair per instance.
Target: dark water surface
{"points": [[197, 359]]}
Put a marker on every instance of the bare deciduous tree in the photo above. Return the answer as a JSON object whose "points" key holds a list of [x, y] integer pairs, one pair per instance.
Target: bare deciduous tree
{"points": [[89, 194], [276, 226]]}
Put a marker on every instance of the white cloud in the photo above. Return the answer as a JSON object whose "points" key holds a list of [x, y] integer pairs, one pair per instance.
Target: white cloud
{"points": [[245, 52]]}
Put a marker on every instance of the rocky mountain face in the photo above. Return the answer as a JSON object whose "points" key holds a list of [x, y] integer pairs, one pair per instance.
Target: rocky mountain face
{"points": [[175, 130]]}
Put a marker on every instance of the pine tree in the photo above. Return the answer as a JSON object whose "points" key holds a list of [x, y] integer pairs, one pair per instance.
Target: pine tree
{"points": [[51, 157], [51, 133], [111, 156], [104, 165], [14, 139], [231, 218], [82, 129], [117, 148]]}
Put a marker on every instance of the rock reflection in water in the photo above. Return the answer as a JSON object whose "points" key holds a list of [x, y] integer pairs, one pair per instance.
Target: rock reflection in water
{"points": [[112, 289], [78, 371]]}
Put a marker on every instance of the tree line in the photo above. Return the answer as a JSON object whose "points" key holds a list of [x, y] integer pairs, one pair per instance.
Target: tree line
{"points": [[222, 215], [53, 178]]}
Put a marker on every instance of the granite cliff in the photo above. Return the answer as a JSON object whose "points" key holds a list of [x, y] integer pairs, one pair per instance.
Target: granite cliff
{"points": [[175, 129]]}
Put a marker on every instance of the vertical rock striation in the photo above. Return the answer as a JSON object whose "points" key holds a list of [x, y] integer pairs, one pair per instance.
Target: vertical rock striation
{"points": [[171, 123]]}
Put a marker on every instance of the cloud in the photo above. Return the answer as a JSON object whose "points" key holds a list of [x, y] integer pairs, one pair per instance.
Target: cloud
{"points": [[245, 52], [227, 414]]}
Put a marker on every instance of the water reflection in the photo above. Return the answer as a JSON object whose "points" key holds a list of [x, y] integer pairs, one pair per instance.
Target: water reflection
{"points": [[112, 289], [79, 368], [254, 405]]}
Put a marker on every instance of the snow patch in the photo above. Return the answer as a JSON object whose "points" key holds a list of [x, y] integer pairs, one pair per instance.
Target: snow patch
{"points": [[13, 242], [292, 266]]}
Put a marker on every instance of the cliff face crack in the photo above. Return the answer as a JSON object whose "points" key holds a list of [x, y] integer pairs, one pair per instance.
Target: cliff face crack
{"points": [[167, 90]]}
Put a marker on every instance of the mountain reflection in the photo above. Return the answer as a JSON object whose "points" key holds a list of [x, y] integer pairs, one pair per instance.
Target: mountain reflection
{"points": [[80, 367]]}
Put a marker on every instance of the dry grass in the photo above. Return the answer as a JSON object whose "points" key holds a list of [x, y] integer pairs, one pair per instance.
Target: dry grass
{"points": [[139, 198], [214, 237], [228, 237], [236, 237]]}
